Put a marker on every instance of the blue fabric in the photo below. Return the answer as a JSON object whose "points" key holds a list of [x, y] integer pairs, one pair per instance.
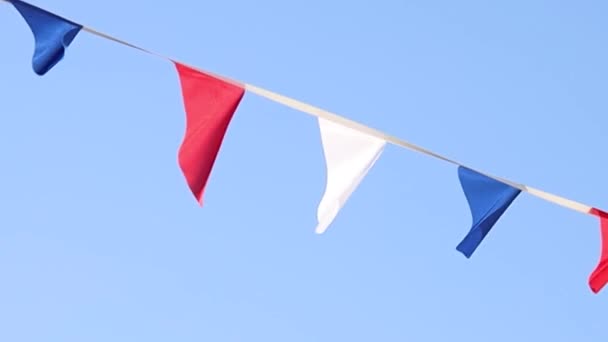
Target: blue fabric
{"points": [[488, 200], [52, 35]]}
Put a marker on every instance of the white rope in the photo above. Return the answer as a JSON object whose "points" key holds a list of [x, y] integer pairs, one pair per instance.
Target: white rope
{"points": [[318, 112]]}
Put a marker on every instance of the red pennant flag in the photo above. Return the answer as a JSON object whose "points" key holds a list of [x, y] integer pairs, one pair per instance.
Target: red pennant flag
{"points": [[599, 277], [210, 104]]}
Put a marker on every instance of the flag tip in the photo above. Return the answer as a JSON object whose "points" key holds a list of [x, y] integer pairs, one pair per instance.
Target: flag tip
{"points": [[321, 228], [467, 254]]}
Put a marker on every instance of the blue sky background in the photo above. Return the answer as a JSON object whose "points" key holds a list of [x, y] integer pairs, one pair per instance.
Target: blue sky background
{"points": [[101, 240]]}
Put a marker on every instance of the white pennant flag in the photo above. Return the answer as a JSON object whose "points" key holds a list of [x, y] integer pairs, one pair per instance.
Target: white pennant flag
{"points": [[349, 155]]}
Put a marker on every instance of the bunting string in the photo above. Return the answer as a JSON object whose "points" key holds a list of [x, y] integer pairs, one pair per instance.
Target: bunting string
{"points": [[324, 114], [351, 148]]}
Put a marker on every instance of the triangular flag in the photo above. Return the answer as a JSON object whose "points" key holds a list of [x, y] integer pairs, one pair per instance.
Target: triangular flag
{"points": [[488, 200], [210, 104], [349, 155], [599, 277], [52, 35]]}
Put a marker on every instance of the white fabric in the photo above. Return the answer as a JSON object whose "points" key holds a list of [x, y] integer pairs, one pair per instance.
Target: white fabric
{"points": [[349, 155]]}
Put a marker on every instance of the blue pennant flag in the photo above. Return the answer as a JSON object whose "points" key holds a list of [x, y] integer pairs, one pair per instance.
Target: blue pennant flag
{"points": [[52, 35], [488, 200]]}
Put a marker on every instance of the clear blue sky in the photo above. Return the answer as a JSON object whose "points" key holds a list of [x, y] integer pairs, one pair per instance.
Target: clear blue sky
{"points": [[101, 240]]}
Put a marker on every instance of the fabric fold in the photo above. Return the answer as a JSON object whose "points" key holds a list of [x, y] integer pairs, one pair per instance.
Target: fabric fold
{"points": [[488, 199], [210, 104], [349, 155], [52, 35], [599, 277]]}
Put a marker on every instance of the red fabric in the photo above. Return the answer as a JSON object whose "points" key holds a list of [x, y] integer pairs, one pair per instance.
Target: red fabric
{"points": [[599, 277], [210, 104]]}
